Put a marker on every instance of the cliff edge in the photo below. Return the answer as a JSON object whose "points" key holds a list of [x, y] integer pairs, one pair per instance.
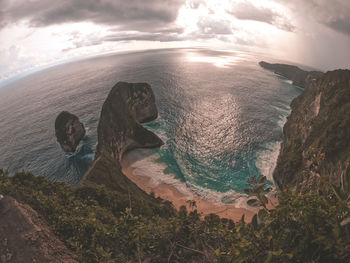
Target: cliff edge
{"points": [[25, 236], [317, 134]]}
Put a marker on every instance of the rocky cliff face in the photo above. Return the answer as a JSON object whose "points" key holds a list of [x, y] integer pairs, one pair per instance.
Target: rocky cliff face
{"points": [[25, 236], [317, 134], [119, 130], [69, 131], [297, 75]]}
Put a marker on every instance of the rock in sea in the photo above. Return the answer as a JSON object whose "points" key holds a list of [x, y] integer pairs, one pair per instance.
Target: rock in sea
{"points": [[69, 131]]}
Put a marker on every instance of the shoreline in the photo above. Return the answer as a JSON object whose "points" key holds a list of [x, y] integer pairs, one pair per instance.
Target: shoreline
{"points": [[178, 198]]}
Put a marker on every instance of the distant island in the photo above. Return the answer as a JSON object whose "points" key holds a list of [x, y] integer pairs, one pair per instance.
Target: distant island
{"points": [[294, 73]]}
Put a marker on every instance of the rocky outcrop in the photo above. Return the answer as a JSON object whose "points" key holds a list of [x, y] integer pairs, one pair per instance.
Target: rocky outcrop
{"points": [[294, 73], [25, 236], [69, 131], [317, 134], [119, 130]]}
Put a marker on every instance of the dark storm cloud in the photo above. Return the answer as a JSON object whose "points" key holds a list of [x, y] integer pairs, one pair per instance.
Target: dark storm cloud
{"points": [[127, 14], [2, 14], [248, 11], [334, 14]]}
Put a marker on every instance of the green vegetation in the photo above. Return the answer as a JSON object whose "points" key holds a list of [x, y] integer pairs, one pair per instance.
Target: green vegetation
{"points": [[104, 225], [256, 188]]}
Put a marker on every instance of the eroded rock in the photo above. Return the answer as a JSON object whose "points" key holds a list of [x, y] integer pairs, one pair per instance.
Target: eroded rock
{"points": [[69, 131], [119, 129]]}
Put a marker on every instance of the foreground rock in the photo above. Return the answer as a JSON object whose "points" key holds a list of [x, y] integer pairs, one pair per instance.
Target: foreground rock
{"points": [[69, 131], [317, 134], [119, 130], [25, 236], [297, 75]]}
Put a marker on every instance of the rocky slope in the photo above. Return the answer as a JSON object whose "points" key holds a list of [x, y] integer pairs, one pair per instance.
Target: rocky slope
{"points": [[119, 130], [25, 236], [297, 75], [317, 134], [69, 131]]}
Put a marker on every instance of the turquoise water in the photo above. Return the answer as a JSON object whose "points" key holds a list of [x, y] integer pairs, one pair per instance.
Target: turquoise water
{"points": [[221, 116]]}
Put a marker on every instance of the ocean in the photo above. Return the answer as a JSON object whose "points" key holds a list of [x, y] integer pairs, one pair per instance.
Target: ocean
{"points": [[220, 115]]}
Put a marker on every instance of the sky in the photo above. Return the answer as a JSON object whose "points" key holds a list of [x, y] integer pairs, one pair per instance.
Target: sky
{"points": [[37, 33]]}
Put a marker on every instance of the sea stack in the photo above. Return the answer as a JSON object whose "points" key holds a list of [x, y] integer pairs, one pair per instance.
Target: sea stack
{"points": [[119, 130], [69, 131]]}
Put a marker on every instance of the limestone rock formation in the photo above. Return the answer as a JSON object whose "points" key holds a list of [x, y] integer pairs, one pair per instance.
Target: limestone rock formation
{"points": [[25, 236], [297, 75], [119, 130], [317, 134], [69, 131]]}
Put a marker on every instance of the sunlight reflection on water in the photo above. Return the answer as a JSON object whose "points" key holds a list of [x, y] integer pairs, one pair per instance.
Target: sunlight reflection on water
{"points": [[218, 61]]}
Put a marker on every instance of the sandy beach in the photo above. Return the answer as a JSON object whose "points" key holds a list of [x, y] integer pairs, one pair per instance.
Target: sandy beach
{"points": [[178, 198]]}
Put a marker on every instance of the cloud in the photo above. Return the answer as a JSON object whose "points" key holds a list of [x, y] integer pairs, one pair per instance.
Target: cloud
{"points": [[130, 14], [78, 40], [194, 4], [248, 11], [214, 26], [334, 14], [144, 37], [14, 60]]}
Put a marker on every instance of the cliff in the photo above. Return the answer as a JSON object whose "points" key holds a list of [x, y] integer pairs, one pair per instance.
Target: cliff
{"points": [[317, 134], [25, 236], [69, 131], [294, 73], [119, 130]]}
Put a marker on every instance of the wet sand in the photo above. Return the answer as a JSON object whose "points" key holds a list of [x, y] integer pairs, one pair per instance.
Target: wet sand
{"points": [[171, 193]]}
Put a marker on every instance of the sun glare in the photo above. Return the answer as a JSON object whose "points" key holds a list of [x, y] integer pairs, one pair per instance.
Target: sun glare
{"points": [[217, 61]]}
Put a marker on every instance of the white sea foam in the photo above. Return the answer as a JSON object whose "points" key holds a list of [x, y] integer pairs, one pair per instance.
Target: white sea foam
{"points": [[288, 81], [267, 159], [145, 164], [281, 122], [148, 166]]}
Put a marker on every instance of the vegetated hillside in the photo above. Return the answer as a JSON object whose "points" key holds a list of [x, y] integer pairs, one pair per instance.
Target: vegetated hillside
{"points": [[317, 134], [104, 225], [25, 237]]}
